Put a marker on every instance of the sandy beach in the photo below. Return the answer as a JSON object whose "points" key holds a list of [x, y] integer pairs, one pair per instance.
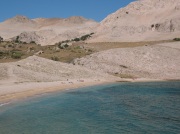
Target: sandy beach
{"points": [[19, 91], [14, 92]]}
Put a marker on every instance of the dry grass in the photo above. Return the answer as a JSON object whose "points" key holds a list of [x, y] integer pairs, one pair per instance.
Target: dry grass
{"points": [[67, 55], [63, 55], [110, 45]]}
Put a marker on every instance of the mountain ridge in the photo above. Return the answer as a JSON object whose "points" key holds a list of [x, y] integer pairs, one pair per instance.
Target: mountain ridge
{"points": [[48, 30], [142, 20]]}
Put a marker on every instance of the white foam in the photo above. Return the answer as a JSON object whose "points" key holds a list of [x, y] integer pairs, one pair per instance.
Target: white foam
{"points": [[4, 104]]}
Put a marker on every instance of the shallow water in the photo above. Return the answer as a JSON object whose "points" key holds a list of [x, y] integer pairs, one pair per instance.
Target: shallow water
{"points": [[138, 108]]}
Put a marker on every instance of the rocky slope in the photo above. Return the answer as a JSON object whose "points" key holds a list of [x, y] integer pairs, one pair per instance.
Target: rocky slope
{"points": [[160, 61], [36, 69], [45, 31], [141, 20]]}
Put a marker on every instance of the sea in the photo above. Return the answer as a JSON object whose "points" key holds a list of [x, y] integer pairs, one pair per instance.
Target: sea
{"points": [[118, 108]]}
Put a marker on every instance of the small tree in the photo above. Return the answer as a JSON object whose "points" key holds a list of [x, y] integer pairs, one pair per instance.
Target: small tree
{"points": [[1, 39]]}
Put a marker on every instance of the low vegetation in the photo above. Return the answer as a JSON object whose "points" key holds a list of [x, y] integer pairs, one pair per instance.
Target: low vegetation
{"points": [[55, 58], [83, 38], [176, 39], [1, 39], [13, 51], [16, 55], [77, 39]]}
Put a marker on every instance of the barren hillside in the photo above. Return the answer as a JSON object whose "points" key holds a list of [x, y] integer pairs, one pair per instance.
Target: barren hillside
{"points": [[36, 69], [141, 20], [159, 61], [45, 31]]}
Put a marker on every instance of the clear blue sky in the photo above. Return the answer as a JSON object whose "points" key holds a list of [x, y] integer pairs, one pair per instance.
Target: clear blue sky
{"points": [[94, 9]]}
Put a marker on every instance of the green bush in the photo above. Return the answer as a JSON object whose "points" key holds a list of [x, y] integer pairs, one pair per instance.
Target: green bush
{"points": [[176, 39], [16, 55]]}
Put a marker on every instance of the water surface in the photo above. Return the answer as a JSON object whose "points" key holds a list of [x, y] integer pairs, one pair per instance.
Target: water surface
{"points": [[134, 108]]}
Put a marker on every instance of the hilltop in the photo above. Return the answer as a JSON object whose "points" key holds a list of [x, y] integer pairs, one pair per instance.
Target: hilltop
{"points": [[142, 20], [45, 31]]}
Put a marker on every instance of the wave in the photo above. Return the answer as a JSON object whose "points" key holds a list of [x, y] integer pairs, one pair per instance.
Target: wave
{"points": [[3, 104]]}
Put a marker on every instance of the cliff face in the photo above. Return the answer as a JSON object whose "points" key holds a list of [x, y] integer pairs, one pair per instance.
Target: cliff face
{"points": [[142, 20]]}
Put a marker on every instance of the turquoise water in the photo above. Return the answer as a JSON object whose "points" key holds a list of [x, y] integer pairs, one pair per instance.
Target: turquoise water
{"points": [[130, 108]]}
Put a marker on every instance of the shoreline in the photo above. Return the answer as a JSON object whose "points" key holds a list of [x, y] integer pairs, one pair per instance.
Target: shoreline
{"points": [[23, 91]]}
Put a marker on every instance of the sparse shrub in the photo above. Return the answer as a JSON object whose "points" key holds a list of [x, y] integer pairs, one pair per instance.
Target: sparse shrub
{"points": [[1, 53], [17, 39], [16, 55], [66, 45], [63, 46], [123, 66], [152, 25], [1, 39], [66, 41], [4, 53], [85, 37], [55, 58], [33, 42], [157, 26], [89, 50], [76, 39], [77, 47], [176, 39], [10, 45]]}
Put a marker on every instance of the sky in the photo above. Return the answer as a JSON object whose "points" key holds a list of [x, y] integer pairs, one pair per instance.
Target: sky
{"points": [[91, 9]]}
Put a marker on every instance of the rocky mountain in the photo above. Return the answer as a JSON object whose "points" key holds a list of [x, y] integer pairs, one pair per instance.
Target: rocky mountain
{"points": [[45, 31], [141, 20]]}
